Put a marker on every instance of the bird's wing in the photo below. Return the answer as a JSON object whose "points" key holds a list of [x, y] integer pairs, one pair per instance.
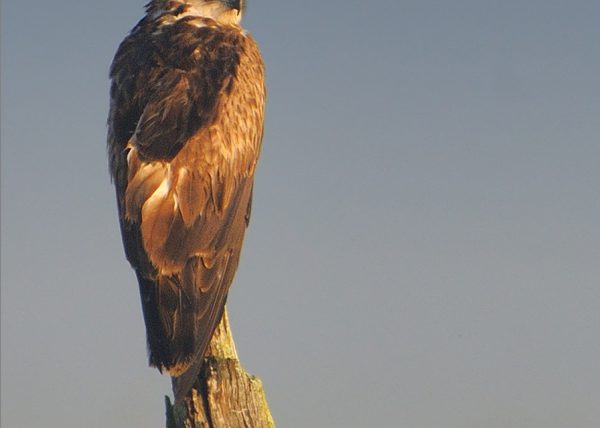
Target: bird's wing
{"points": [[185, 127]]}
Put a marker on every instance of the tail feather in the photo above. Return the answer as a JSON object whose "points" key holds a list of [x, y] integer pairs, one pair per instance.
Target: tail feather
{"points": [[181, 313], [184, 382]]}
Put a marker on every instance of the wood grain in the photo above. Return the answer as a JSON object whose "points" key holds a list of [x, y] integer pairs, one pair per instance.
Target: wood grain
{"points": [[224, 396]]}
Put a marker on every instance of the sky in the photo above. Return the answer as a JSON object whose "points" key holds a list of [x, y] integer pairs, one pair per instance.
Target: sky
{"points": [[425, 234]]}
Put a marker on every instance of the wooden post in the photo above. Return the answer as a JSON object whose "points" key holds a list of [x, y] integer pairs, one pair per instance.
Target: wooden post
{"points": [[225, 396]]}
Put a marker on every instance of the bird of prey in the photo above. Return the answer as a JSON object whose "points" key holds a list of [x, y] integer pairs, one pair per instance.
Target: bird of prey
{"points": [[184, 135]]}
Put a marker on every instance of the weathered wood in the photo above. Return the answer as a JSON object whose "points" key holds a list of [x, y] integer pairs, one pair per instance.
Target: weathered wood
{"points": [[225, 396]]}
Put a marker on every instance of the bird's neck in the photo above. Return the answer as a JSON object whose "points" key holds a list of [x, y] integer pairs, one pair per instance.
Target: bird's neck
{"points": [[215, 10]]}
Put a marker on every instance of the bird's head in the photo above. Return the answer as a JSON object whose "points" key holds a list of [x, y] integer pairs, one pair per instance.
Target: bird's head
{"points": [[222, 11]]}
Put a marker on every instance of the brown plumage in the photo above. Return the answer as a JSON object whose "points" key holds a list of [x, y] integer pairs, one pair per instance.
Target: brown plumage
{"points": [[185, 128]]}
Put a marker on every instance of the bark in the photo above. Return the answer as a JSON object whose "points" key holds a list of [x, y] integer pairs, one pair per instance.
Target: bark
{"points": [[225, 396]]}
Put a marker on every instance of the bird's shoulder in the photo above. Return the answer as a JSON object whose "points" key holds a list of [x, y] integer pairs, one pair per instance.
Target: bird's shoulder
{"points": [[182, 41], [170, 73]]}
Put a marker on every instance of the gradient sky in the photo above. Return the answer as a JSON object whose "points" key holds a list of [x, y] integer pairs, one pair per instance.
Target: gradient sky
{"points": [[425, 238]]}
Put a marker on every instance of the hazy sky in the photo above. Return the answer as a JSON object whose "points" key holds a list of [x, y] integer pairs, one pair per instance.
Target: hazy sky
{"points": [[424, 249]]}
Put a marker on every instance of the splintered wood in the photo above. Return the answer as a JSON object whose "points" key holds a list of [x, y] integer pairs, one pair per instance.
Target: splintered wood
{"points": [[225, 396]]}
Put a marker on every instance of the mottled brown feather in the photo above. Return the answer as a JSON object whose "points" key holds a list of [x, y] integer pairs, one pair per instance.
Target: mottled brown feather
{"points": [[185, 128]]}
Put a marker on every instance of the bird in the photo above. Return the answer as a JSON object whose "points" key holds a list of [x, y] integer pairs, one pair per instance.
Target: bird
{"points": [[185, 127]]}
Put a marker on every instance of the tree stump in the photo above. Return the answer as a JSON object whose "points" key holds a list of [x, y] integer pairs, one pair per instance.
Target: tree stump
{"points": [[224, 396]]}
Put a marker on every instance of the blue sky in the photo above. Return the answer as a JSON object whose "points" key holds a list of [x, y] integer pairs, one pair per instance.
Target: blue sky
{"points": [[425, 237]]}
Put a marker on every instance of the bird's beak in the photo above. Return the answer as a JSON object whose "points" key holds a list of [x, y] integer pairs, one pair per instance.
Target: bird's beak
{"points": [[234, 4]]}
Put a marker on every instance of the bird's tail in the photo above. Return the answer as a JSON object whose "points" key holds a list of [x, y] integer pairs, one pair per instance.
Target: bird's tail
{"points": [[179, 326]]}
